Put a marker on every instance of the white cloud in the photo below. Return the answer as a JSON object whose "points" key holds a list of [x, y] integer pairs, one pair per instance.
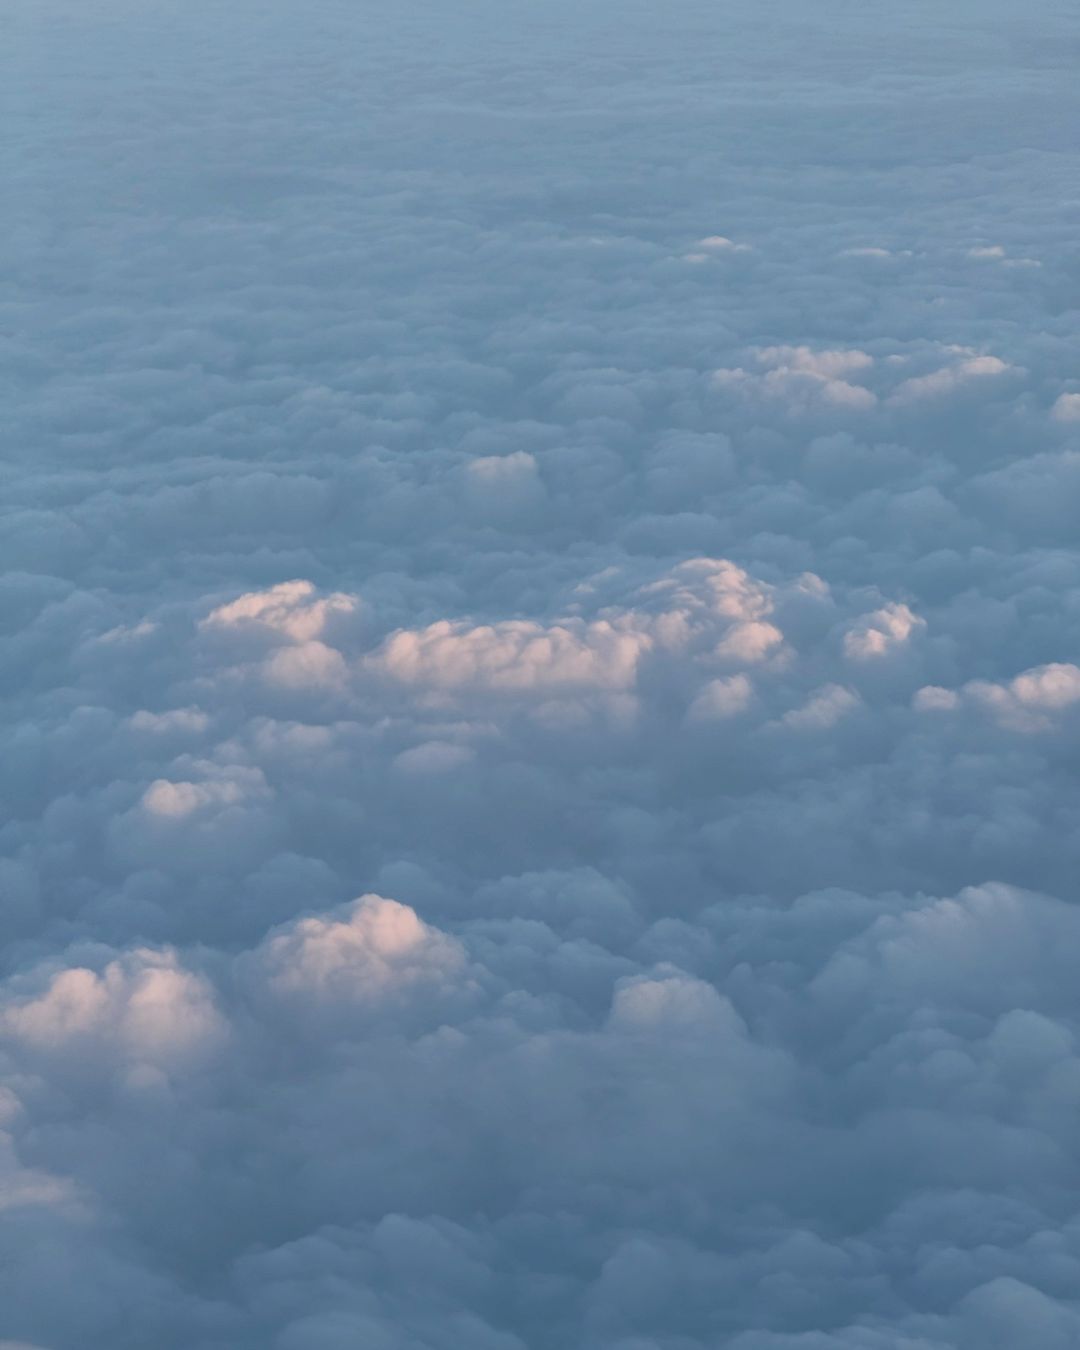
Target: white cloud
{"points": [[878, 633], [290, 608], [703, 609], [802, 377], [711, 246], [1028, 701], [1066, 408], [379, 949], [719, 243], [933, 698], [748, 643], [219, 787], [144, 1005], [825, 707], [701, 590], [949, 378], [515, 655], [722, 698], [822, 365], [506, 488], [673, 1002], [1032, 701], [307, 665]]}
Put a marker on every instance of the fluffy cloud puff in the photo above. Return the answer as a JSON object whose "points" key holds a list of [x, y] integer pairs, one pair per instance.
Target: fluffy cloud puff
{"points": [[598, 485], [476, 1140]]}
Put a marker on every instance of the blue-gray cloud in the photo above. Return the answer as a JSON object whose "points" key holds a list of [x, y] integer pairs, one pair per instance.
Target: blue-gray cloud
{"points": [[540, 664]]}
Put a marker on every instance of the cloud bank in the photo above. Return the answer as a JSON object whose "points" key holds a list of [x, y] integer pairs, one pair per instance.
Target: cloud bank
{"points": [[541, 678]]}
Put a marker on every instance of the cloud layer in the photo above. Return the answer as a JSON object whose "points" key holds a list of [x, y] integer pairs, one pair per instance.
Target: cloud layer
{"points": [[541, 677]]}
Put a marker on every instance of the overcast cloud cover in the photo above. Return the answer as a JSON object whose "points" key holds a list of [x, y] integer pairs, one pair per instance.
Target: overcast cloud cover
{"points": [[541, 675]]}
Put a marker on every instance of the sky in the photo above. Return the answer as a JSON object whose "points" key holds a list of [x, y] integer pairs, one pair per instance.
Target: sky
{"points": [[540, 675]]}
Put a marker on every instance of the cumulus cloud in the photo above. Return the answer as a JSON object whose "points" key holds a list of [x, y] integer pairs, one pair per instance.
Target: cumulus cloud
{"points": [[1027, 702], [949, 378], [288, 608], [143, 1005], [824, 708], [800, 376], [380, 948], [171, 799], [515, 655], [723, 698], [711, 246], [877, 633], [599, 486], [705, 611]]}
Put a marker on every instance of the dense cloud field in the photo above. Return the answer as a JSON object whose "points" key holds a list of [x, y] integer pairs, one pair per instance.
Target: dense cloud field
{"points": [[540, 658]]}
